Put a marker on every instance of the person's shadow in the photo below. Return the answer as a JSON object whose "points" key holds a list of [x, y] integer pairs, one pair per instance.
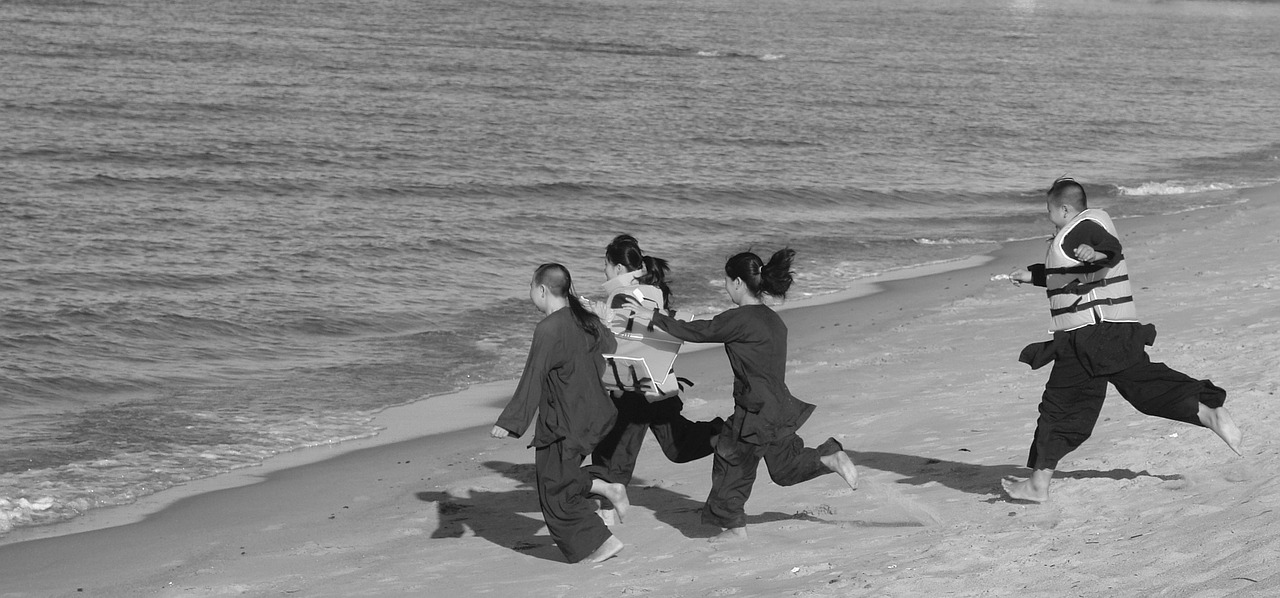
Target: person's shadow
{"points": [[680, 511], [684, 514], [500, 517], [975, 479]]}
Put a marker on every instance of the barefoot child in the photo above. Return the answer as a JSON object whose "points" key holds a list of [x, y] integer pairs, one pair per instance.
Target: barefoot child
{"points": [[1097, 339], [562, 382], [765, 414], [628, 271]]}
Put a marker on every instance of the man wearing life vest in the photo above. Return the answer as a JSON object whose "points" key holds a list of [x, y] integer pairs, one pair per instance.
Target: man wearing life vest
{"points": [[1097, 339]]}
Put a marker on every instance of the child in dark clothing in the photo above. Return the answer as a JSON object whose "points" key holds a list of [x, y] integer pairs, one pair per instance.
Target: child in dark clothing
{"points": [[1097, 339], [765, 414], [562, 383]]}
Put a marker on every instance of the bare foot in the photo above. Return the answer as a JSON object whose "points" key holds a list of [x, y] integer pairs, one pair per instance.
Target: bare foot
{"points": [[1219, 420], [840, 463], [616, 493], [1022, 490], [731, 534], [1034, 488], [608, 550]]}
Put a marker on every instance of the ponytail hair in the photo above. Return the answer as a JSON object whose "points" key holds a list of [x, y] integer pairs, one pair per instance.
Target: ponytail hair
{"points": [[773, 278], [557, 280], [624, 251]]}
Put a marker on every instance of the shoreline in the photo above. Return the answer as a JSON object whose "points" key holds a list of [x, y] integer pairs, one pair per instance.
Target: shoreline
{"points": [[920, 382], [389, 418], [434, 415], [419, 419]]}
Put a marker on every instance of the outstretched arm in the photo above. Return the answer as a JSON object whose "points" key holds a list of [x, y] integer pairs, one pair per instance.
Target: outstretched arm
{"points": [[697, 331], [1033, 274], [719, 329]]}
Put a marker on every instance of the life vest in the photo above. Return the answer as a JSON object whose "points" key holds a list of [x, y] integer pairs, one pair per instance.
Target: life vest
{"points": [[1082, 294], [644, 359], [626, 285]]}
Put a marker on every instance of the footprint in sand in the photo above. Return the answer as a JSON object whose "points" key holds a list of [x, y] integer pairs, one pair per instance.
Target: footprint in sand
{"points": [[315, 549], [882, 495]]}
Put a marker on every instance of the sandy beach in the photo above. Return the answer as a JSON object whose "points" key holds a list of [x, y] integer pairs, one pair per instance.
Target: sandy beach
{"points": [[920, 382]]}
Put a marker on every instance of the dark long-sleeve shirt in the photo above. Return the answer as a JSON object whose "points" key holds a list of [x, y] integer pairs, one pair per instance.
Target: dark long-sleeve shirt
{"points": [[755, 340], [562, 382]]}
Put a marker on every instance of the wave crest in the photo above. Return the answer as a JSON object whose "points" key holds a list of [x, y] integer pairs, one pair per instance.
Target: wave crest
{"points": [[1174, 188], [959, 241]]}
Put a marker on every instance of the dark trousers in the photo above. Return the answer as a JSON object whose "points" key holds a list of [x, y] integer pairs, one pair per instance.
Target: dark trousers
{"points": [[682, 441], [1073, 399], [563, 487], [733, 472]]}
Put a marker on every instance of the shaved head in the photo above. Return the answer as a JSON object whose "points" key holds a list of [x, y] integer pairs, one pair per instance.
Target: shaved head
{"points": [[555, 277], [1067, 192]]}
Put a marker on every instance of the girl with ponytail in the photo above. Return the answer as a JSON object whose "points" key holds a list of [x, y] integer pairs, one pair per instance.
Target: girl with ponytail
{"points": [[626, 263], [766, 415], [562, 383], [628, 270]]}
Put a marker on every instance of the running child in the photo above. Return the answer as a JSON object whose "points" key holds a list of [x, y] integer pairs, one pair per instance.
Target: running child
{"points": [[1097, 340], [628, 270], [562, 383], [766, 415]]}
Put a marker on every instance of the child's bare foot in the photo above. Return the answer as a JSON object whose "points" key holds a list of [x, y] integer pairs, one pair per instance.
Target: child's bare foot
{"points": [[840, 463], [616, 493], [730, 534], [611, 547], [1034, 488], [1219, 420]]}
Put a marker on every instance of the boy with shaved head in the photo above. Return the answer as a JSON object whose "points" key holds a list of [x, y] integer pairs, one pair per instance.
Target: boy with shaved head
{"points": [[1097, 340]]}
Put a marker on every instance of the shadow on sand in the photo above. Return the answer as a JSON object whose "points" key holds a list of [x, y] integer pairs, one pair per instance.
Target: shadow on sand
{"points": [[503, 517], [511, 518], [976, 479], [499, 517]]}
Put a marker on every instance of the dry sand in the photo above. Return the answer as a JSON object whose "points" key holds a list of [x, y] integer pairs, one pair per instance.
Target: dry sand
{"points": [[921, 384]]}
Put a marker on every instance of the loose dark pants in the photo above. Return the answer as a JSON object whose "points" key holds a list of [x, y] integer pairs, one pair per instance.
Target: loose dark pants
{"points": [[733, 472], [682, 441], [563, 487], [1073, 400]]}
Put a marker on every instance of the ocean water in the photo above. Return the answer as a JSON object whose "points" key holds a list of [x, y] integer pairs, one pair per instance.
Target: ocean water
{"points": [[233, 228]]}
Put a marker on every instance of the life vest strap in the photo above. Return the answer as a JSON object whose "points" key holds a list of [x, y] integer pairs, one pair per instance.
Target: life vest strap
{"points": [[1077, 287], [617, 376], [1077, 306], [1082, 268]]}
